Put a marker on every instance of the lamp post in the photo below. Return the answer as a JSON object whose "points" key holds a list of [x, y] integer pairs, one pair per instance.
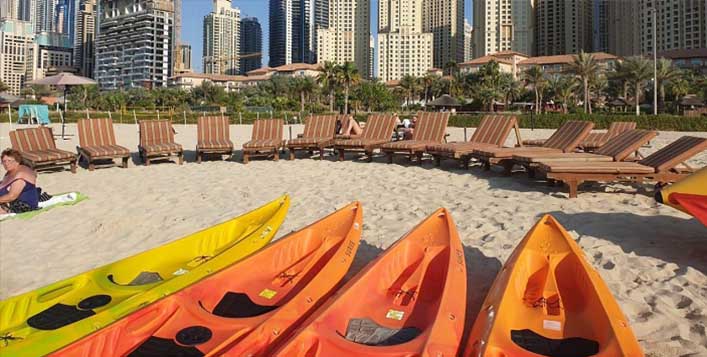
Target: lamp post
{"points": [[655, 62]]}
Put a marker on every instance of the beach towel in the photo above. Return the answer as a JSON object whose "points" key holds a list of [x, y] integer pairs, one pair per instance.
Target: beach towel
{"points": [[64, 199]]}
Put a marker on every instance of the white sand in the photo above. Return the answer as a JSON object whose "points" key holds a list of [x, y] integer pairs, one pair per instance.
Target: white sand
{"points": [[651, 256]]}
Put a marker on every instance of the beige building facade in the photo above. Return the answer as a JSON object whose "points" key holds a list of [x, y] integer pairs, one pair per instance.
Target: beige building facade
{"points": [[445, 20], [503, 25], [349, 34], [222, 39], [403, 49], [18, 59], [563, 26]]}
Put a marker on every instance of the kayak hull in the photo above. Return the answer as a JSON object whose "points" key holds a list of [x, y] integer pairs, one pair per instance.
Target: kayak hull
{"points": [[688, 195], [51, 317], [410, 301], [547, 300], [271, 289]]}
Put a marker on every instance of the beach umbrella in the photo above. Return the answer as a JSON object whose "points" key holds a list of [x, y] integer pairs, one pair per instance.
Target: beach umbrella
{"points": [[65, 80]]}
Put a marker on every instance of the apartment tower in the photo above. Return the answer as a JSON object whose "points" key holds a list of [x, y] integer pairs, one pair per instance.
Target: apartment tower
{"points": [[682, 24], [468, 41], [18, 59], [134, 43], [504, 25], [84, 37], [222, 39], [445, 19], [563, 26], [294, 25], [403, 49], [251, 44], [348, 37]]}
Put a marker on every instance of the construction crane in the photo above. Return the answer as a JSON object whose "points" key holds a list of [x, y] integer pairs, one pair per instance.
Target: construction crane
{"points": [[221, 60]]}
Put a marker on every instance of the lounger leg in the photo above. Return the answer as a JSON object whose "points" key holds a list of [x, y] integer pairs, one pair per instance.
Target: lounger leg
{"points": [[438, 160], [389, 155], [487, 165], [418, 155], [125, 162], [181, 158], [198, 157], [321, 153], [277, 155], [465, 162], [341, 154], [292, 154], [369, 156], [245, 157], [147, 161], [572, 184], [531, 172], [91, 166], [73, 167], [507, 167]]}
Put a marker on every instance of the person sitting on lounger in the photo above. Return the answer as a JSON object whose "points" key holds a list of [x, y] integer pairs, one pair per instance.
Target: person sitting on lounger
{"points": [[349, 127], [18, 190], [409, 128]]}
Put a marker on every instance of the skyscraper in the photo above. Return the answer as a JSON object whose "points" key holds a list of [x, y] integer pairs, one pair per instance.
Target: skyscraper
{"points": [[222, 39], [403, 49], [293, 30], [84, 37], [680, 25], [622, 26], [251, 44], [18, 59], [468, 41], [445, 19], [134, 43], [600, 25], [563, 26], [45, 15], [60, 18], [348, 38], [503, 25]]}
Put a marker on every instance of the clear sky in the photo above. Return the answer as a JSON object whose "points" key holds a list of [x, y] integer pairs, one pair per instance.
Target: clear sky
{"points": [[193, 12]]}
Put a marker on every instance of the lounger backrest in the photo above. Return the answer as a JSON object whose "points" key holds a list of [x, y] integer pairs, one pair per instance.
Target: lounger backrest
{"points": [[675, 153], [569, 135], [626, 143], [493, 129], [32, 139], [211, 129], [156, 132], [96, 132], [268, 129], [379, 127], [320, 126], [619, 127], [431, 126]]}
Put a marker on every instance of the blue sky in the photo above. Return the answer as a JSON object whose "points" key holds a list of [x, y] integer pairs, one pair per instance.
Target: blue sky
{"points": [[193, 12]]}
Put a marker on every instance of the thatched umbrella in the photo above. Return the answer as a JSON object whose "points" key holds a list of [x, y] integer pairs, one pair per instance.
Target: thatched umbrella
{"points": [[691, 101], [64, 79], [444, 101]]}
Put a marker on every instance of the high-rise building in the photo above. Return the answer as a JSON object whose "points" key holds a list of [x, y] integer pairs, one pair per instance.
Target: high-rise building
{"points": [[134, 43], [600, 25], [251, 44], [563, 26], [403, 49], [60, 18], [222, 39], [45, 15], [348, 38], [680, 24], [468, 41], [622, 26], [55, 54], [9, 9], [445, 19], [372, 57], [18, 58], [293, 30], [504, 25], [185, 59], [84, 37]]}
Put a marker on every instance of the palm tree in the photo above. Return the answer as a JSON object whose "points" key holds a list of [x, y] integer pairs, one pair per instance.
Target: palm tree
{"points": [[534, 77], [451, 68], [666, 73], [427, 82], [584, 66], [638, 70], [328, 80], [304, 86], [4, 87], [410, 84], [563, 90], [347, 76]]}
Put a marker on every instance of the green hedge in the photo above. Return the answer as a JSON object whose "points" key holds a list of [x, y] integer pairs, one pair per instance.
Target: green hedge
{"points": [[544, 121]]}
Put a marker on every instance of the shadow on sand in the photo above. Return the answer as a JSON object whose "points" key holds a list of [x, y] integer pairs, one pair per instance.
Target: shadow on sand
{"points": [[481, 271]]}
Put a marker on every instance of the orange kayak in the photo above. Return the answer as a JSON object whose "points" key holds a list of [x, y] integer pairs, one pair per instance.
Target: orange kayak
{"points": [[410, 301], [548, 301], [272, 290]]}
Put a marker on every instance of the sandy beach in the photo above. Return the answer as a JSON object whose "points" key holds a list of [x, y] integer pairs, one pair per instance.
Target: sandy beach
{"points": [[652, 257]]}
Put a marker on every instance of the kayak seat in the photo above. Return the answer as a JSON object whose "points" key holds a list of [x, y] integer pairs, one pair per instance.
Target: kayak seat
{"points": [[158, 347], [368, 332], [239, 305], [143, 278], [60, 315], [568, 347]]}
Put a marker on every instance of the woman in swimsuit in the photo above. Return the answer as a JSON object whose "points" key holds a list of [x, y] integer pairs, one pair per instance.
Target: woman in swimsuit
{"points": [[18, 190]]}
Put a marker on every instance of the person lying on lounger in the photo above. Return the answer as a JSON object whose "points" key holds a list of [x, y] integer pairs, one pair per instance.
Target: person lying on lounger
{"points": [[349, 127], [18, 190]]}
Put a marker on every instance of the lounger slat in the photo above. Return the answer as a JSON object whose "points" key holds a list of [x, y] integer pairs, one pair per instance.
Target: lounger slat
{"points": [[675, 153], [431, 126], [625, 144], [569, 135]]}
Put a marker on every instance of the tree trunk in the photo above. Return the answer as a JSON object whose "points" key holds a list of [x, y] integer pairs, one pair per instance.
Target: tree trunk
{"points": [[587, 105], [537, 102], [638, 99], [661, 97], [331, 100], [346, 99], [301, 98]]}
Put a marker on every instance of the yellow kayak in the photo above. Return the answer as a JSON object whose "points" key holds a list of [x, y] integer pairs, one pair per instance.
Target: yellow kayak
{"points": [[691, 186], [44, 320]]}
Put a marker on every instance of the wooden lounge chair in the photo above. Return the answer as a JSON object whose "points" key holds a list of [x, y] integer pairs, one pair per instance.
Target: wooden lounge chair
{"points": [[39, 149], [661, 166], [266, 139], [492, 132], [378, 131], [565, 139], [157, 141], [429, 130], [213, 137], [346, 126], [97, 142], [594, 140], [318, 134], [618, 148]]}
